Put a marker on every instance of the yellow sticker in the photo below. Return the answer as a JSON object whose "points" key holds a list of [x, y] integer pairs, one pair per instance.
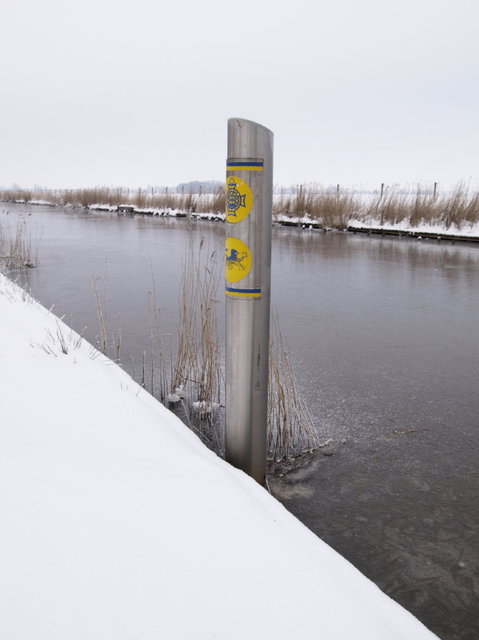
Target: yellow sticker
{"points": [[238, 260], [239, 199]]}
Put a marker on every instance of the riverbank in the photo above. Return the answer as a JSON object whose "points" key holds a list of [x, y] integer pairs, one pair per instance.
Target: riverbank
{"points": [[453, 216], [117, 519]]}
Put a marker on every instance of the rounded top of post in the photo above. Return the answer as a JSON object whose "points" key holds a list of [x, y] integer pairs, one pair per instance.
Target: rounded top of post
{"points": [[248, 139], [243, 122]]}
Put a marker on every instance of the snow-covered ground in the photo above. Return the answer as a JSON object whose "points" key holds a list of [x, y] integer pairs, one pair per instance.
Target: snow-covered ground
{"points": [[116, 522], [465, 231]]}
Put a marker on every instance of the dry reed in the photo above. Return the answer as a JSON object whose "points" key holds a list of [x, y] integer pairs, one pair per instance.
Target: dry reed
{"points": [[197, 371], [108, 345], [161, 350], [16, 245], [458, 208], [187, 374], [116, 197], [324, 207], [291, 429]]}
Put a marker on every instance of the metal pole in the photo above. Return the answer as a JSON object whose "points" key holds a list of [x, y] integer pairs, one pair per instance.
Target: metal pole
{"points": [[249, 196]]}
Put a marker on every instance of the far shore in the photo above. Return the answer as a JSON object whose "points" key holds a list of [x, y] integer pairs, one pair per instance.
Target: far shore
{"points": [[348, 213]]}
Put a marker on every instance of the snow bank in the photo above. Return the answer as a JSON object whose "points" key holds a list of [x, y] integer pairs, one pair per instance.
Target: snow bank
{"points": [[118, 523], [464, 231]]}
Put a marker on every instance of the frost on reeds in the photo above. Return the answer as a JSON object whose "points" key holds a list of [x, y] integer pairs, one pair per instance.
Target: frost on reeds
{"points": [[61, 341], [291, 429], [16, 245]]}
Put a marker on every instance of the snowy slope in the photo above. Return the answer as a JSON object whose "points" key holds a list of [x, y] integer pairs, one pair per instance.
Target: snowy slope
{"points": [[117, 523]]}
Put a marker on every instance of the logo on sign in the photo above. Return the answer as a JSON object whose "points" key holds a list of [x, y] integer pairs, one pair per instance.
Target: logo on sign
{"points": [[238, 260], [239, 199]]}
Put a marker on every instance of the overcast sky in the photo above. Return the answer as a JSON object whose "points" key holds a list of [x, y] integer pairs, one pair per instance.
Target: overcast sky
{"points": [[132, 93]]}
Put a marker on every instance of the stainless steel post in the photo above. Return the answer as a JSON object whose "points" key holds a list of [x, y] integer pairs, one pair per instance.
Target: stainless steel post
{"points": [[249, 194]]}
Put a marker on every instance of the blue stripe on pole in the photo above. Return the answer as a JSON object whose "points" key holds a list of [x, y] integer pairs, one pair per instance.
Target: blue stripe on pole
{"points": [[232, 165], [236, 163], [244, 293]]}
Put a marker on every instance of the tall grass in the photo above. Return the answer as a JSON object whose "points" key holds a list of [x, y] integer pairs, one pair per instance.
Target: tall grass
{"points": [[291, 429], [458, 208], [461, 207], [333, 208], [116, 197], [197, 373], [186, 374], [197, 364], [161, 350], [323, 206], [330, 208], [109, 344], [17, 248]]}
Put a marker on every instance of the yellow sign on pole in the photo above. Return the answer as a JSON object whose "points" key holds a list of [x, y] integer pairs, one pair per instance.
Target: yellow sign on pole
{"points": [[239, 199], [238, 260]]}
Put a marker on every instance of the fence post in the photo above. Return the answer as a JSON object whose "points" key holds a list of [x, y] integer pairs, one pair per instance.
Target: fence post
{"points": [[249, 194]]}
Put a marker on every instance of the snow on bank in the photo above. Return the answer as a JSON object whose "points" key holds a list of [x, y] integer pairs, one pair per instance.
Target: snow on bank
{"points": [[464, 231], [118, 523]]}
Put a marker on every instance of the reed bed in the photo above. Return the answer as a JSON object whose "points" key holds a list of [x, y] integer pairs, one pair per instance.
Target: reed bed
{"points": [[459, 208], [16, 245], [198, 361], [107, 342], [186, 202], [291, 429], [161, 357], [186, 372], [324, 207], [198, 376], [196, 372], [327, 208]]}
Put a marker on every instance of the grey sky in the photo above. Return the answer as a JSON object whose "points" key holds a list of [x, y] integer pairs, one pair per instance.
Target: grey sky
{"points": [[135, 93]]}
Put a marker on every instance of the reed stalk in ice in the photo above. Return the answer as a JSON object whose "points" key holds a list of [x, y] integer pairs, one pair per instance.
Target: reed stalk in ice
{"points": [[16, 244], [291, 429]]}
